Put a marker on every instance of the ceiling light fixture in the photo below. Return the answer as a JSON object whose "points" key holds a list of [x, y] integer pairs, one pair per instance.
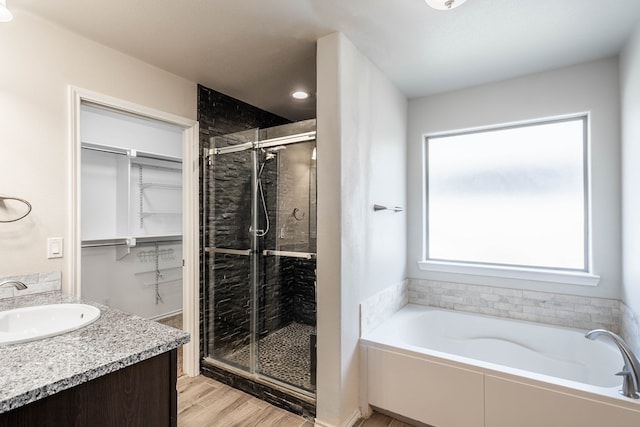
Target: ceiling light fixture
{"points": [[299, 94], [5, 14], [444, 4]]}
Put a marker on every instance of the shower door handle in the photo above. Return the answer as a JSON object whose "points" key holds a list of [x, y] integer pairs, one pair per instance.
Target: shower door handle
{"points": [[305, 255], [228, 251]]}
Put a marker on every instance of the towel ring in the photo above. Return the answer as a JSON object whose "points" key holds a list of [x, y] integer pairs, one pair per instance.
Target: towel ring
{"points": [[3, 198]]}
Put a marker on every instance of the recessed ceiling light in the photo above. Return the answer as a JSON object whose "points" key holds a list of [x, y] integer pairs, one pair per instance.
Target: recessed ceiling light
{"points": [[299, 94], [444, 4], [5, 14]]}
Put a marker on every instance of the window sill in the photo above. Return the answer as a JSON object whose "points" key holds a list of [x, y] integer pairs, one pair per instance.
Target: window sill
{"points": [[539, 275]]}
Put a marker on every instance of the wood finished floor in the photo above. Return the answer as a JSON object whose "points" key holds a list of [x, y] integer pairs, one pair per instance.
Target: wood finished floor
{"points": [[380, 420], [203, 402]]}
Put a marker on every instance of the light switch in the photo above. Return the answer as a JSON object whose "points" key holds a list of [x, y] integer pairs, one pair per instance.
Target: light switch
{"points": [[54, 247]]}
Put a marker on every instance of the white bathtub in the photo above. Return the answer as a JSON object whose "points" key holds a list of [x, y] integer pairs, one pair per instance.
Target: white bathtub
{"points": [[452, 369]]}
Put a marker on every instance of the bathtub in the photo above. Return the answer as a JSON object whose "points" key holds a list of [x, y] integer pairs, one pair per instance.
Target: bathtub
{"points": [[451, 369]]}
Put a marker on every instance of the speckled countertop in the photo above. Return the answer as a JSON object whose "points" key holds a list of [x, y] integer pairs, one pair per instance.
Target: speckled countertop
{"points": [[34, 370]]}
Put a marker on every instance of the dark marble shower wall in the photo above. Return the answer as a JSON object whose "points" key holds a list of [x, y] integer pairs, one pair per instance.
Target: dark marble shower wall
{"points": [[287, 293], [299, 279]]}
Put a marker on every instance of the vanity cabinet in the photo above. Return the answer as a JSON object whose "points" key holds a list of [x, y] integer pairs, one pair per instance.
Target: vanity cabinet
{"points": [[143, 394]]}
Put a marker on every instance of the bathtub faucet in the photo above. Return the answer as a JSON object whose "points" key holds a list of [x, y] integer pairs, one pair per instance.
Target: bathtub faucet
{"points": [[631, 371], [14, 283]]}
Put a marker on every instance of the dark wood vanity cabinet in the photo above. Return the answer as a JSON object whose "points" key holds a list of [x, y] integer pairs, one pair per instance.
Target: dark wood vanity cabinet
{"points": [[143, 394]]}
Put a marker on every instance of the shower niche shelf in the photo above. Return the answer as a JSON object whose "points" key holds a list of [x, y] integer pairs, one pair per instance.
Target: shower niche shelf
{"points": [[127, 194]]}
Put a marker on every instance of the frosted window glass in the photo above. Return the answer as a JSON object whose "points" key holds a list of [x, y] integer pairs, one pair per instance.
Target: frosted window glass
{"points": [[512, 196]]}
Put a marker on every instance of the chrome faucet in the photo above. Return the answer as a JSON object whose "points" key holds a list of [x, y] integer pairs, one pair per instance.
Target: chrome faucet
{"points": [[631, 370], [15, 283]]}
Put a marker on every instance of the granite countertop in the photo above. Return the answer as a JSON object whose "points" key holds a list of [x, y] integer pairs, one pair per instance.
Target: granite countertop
{"points": [[37, 369]]}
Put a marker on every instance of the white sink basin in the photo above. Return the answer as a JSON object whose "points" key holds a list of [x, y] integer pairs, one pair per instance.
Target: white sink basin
{"points": [[42, 321]]}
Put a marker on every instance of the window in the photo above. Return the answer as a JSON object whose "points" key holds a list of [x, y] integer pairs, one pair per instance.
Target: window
{"points": [[509, 198]]}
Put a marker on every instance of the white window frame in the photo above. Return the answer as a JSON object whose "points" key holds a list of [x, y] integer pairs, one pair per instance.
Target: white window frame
{"points": [[584, 277]]}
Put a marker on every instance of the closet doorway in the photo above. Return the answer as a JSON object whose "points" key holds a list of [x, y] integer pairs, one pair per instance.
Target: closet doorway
{"points": [[134, 213]]}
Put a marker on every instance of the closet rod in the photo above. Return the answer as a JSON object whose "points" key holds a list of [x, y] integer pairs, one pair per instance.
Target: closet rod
{"points": [[124, 243], [98, 245], [124, 152], [104, 149]]}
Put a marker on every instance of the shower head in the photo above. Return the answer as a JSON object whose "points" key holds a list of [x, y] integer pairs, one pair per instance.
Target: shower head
{"points": [[275, 149], [272, 151]]}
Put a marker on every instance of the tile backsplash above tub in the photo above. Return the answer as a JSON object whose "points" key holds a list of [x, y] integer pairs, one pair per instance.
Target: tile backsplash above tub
{"points": [[543, 307], [36, 283], [378, 308], [630, 327]]}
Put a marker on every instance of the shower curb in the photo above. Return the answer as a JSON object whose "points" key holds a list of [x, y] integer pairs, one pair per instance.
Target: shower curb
{"points": [[303, 406]]}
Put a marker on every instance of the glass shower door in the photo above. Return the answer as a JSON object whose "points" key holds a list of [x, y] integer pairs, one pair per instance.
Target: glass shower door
{"points": [[286, 303], [229, 254], [259, 219]]}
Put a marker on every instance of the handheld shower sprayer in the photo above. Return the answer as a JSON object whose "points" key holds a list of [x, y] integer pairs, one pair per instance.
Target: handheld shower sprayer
{"points": [[269, 154]]}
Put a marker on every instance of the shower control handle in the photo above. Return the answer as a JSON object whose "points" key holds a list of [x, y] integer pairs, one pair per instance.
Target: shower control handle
{"points": [[628, 388], [258, 231]]}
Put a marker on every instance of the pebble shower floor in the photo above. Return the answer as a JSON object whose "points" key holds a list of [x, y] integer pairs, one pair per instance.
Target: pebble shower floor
{"points": [[283, 355]]}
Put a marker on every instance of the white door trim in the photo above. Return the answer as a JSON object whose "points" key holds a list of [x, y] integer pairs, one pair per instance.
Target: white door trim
{"points": [[190, 209]]}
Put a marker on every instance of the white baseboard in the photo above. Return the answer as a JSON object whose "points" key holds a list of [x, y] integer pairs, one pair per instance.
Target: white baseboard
{"points": [[353, 419], [349, 423]]}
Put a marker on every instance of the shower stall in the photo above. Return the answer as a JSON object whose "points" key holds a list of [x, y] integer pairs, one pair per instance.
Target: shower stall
{"points": [[259, 257]]}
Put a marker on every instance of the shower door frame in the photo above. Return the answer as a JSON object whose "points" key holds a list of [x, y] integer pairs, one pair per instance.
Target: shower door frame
{"points": [[254, 261]]}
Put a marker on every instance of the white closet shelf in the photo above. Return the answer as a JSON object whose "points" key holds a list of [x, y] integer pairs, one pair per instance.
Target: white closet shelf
{"points": [[139, 239], [144, 186], [138, 187], [113, 149], [138, 273], [146, 214]]}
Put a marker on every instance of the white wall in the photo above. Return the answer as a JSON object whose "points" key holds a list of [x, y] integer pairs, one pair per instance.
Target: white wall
{"points": [[630, 101], [589, 87], [361, 161], [39, 61], [100, 126], [128, 283]]}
